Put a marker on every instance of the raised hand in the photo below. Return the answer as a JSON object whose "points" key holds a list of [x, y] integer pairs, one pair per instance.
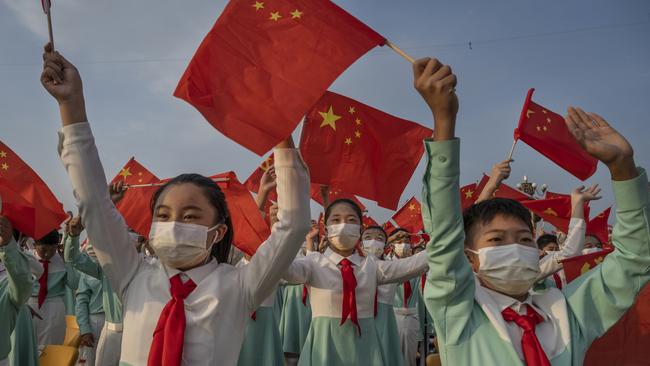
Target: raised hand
{"points": [[6, 231], [585, 195], [74, 227], [117, 191], [62, 80], [312, 236], [437, 85], [268, 182], [500, 172], [603, 142]]}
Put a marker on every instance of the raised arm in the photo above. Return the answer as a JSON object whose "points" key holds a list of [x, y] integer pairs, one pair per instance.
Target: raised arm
{"points": [[79, 261], [79, 155], [19, 276], [400, 270], [600, 297], [267, 185], [500, 172], [273, 258], [82, 311]]}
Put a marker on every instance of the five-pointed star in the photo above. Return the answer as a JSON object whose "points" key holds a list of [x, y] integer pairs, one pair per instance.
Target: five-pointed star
{"points": [[545, 128], [275, 16], [529, 112], [544, 111], [469, 193], [296, 14], [140, 173], [3, 154], [258, 5], [358, 122], [348, 141], [412, 207], [329, 119], [548, 120], [550, 211], [585, 268], [539, 129], [5, 166], [357, 134], [352, 110], [126, 172]]}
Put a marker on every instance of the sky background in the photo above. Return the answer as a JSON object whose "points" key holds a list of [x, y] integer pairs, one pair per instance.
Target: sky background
{"points": [[590, 53]]}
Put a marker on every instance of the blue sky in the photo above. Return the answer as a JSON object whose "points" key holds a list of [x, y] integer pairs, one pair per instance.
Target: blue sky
{"points": [[590, 53]]}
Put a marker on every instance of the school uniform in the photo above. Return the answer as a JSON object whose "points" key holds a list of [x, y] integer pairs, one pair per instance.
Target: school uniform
{"points": [[575, 240], [386, 325], [470, 319], [109, 344], [15, 288], [89, 312], [217, 308], [24, 347], [262, 344], [329, 342], [295, 318], [407, 297], [61, 279]]}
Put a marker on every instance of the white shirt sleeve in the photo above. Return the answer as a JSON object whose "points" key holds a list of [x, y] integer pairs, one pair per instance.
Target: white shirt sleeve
{"points": [[103, 222], [273, 257], [299, 272], [400, 270], [573, 244]]}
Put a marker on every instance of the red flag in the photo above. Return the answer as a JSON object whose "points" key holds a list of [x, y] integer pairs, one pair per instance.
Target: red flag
{"points": [[468, 195], [388, 227], [26, 193], [250, 228], [333, 195], [504, 191], [409, 217], [546, 132], [135, 207], [598, 226], [550, 194], [264, 64], [369, 221], [556, 211], [46, 4], [361, 150], [574, 267]]}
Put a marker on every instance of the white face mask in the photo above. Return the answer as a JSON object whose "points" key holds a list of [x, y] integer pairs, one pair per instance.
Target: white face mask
{"points": [[180, 245], [373, 248], [343, 236], [590, 250], [511, 269], [402, 249]]}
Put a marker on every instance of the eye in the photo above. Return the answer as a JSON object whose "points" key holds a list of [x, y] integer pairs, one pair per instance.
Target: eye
{"points": [[526, 240], [495, 239], [189, 217], [162, 216]]}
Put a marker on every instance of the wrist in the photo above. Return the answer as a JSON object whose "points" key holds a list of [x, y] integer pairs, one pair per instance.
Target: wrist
{"points": [[444, 127], [73, 110], [623, 168]]}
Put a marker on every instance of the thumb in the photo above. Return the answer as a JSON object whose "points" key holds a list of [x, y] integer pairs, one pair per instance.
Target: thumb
{"points": [[64, 61]]}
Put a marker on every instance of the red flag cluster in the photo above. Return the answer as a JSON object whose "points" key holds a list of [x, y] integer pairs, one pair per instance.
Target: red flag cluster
{"points": [[27, 201], [504, 191], [409, 217]]}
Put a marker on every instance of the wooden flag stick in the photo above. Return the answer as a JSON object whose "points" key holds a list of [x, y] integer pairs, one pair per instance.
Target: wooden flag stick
{"points": [[158, 184], [49, 27], [399, 51], [512, 150]]}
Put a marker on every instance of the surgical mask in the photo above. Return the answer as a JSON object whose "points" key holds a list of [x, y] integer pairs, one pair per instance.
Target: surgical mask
{"points": [[402, 249], [511, 269], [590, 250], [343, 236], [373, 247], [180, 245]]}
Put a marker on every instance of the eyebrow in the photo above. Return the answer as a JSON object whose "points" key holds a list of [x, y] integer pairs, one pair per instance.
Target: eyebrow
{"points": [[190, 207], [499, 231]]}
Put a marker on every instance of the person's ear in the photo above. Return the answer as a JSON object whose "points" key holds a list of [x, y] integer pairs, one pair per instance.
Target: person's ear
{"points": [[473, 259], [219, 233]]}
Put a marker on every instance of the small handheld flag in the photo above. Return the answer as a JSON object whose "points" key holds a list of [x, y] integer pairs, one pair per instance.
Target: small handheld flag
{"points": [[47, 7]]}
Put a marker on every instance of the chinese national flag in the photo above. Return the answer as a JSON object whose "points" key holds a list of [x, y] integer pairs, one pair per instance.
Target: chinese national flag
{"points": [[265, 63], [23, 192], [361, 150], [333, 195], [388, 227], [574, 267], [504, 191], [250, 228], [546, 132], [556, 211], [468, 195], [598, 226], [369, 221], [135, 207], [409, 217]]}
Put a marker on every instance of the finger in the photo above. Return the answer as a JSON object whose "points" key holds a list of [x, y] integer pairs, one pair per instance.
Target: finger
{"points": [[573, 112], [588, 121], [56, 75], [442, 72], [64, 61], [599, 120], [49, 76], [419, 66], [432, 66], [450, 80], [48, 47], [570, 123], [53, 65]]}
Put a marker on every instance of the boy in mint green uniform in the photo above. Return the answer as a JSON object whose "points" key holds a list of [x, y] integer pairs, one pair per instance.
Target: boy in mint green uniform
{"points": [[15, 286], [492, 318]]}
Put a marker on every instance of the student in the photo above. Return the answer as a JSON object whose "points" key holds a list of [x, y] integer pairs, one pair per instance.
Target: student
{"points": [[342, 286], [406, 300], [206, 302], [15, 286], [477, 316], [48, 294], [109, 343], [89, 312], [547, 244], [374, 243]]}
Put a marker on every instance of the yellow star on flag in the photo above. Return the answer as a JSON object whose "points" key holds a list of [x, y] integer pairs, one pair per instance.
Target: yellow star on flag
{"points": [[296, 14], [5, 166], [529, 112], [539, 129], [258, 5], [348, 141], [544, 111], [357, 134], [469, 193], [585, 268], [275, 16], [3, 154], [358, 122], [545, 128], [352, 110], [126, 172], [329, 119], [548, 120], [550, 211], [598, 260], [412, 207]]}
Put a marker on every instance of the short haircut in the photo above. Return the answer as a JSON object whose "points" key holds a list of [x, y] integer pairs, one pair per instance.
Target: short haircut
{"points": [[51, 238], [545, 240], [484, 212], [376, 227], [355, 207]]}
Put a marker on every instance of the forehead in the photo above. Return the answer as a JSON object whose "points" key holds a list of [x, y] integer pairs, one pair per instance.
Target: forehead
{"points": [[342, 209], [183, 195], [374, 232], [501, 222]]}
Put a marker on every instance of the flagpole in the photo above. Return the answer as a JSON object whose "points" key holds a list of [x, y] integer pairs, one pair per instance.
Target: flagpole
{"points": [[158, 184], [49, 27], [512, 150], [399, 51]]}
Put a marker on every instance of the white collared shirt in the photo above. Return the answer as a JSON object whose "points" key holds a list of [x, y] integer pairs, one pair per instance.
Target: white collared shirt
{"points": [[321, 272], [553, 333], [572, 247], [217, 310]]}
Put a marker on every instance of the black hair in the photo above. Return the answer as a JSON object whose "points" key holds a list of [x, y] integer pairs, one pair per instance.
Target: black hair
{"points": [[546, 239], [352, 204], [398, 230], [484, 212], [375, 227], [217, 199], [51, 238]]}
